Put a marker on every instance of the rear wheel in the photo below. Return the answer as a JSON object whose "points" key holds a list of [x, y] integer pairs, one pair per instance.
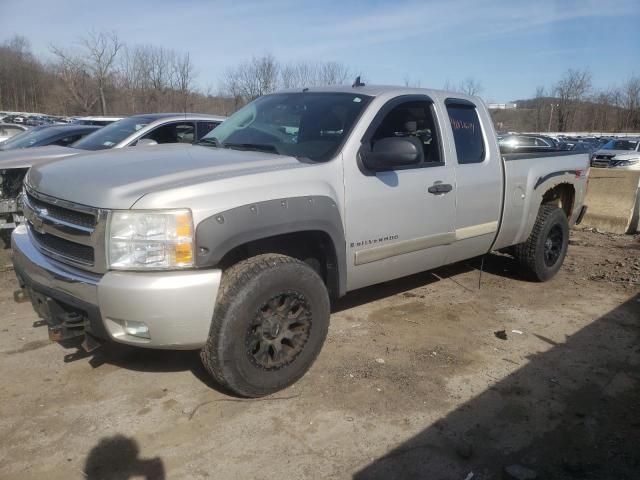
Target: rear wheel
{"points": [[270, 322], [5, 238], [544, 251]]}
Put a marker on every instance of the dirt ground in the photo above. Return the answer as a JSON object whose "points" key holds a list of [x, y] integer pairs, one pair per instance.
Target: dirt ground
{"points": [[412, 383]]}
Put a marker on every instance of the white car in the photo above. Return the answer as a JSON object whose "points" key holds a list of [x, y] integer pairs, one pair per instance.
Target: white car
{"points": [[8, 130], [100, 121], [619, 153]]}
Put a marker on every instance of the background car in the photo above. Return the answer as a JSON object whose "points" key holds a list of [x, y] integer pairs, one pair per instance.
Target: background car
{"points": [[582, 147], [9, 130], [100, 121], [62, 135], [524, 143], [138, 130], [622, 153]]}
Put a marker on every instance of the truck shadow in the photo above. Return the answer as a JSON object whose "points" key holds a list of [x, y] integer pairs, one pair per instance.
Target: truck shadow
{"points": [[154, 361], [118, 457], [572, 411], [494, 264], [148, 360]]}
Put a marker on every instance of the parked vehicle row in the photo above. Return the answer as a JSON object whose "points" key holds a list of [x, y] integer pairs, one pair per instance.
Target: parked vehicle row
{"points": [[528, 143], [138, 130], [9, 130], [236, 244], [44, 135], [605, 152]]}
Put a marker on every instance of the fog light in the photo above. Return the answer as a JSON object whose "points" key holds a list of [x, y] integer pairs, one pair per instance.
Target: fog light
{"points": [[137, 329]]}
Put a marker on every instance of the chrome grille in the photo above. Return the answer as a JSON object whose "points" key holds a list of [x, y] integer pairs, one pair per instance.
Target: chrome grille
{"points": [[65, 248], [68, 232], [70, 216]]}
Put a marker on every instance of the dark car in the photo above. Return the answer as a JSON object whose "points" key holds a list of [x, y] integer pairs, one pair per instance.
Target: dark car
{"points": [[525, 143], [41, 136], [585, 147]]}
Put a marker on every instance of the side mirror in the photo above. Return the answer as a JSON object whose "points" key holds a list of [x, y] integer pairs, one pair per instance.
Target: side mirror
{"points": [[146, 142], [392, 152]]}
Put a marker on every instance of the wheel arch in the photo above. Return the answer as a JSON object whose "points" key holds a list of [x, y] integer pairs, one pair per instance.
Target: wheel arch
{"points": [[562, 195], [307, 228]]}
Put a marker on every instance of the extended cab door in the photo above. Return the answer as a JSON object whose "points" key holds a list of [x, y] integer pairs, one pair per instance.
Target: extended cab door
{"points": [[399, 221], [479, 183]]}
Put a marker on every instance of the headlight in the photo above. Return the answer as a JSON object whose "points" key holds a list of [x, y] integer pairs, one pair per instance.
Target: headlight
{"points": [[626, 163], [146, 240]]}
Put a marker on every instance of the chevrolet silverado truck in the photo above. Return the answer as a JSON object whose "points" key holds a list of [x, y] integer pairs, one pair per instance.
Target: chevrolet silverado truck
{"points": [[235, 246], [147, 129]]}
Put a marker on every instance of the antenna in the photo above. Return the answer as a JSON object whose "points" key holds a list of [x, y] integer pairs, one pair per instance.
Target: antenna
{"points": [[357, 83]]}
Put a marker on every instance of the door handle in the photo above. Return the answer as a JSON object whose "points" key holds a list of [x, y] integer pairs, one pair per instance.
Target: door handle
{"points": [[439, 188]]}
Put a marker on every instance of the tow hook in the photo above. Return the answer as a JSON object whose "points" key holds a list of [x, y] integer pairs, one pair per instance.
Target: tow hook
{"points": [[90, 343], [20, 296]]}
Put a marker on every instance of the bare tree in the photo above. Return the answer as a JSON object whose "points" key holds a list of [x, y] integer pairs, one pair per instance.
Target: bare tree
{"points": [[470, 86], [252, 79], [539, 107], [333, 73], [182, 78], [571, 89], [298, 74], [93, 65], [408, 82], [630, 96], [308, 74], [102, 49], [77, 79]]}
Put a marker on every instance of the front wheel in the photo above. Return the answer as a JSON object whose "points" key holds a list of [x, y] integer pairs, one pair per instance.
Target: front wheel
{"points": [[270, 322], [544, 251]]}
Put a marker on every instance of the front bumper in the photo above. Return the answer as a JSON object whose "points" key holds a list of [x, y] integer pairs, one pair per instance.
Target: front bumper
{"points": [[177, 307]]}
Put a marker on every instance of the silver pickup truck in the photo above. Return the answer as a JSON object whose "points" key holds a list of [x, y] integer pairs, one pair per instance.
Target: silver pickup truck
{"points": [[235, 246]]}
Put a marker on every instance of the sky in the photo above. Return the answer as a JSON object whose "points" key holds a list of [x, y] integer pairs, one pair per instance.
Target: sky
{"points": [[510, 47]]}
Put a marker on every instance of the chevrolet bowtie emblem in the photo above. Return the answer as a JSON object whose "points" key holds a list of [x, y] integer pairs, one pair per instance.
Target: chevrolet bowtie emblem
{"points": [[37, 221]]}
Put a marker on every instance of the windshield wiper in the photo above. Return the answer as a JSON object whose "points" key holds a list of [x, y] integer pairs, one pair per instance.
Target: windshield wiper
{"points": [[209, 141], [258, 147]]}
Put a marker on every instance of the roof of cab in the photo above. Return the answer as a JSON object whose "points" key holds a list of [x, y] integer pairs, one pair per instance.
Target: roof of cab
{"points": [[377, 90]]}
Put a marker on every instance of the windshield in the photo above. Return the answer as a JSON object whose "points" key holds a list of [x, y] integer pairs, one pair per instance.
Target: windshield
{"points": [[26, 139], [303, 125], [112, 134], [620, 145]]}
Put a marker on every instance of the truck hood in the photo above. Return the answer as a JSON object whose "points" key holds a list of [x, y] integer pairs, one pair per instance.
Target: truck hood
{"points": [[116, 179], [29, 157]]}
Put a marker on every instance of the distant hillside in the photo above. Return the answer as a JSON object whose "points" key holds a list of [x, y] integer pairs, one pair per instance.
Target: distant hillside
{"points": [[543, 114]]}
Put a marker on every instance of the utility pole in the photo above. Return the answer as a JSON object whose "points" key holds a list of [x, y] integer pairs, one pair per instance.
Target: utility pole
{"points": [[551, 115]]}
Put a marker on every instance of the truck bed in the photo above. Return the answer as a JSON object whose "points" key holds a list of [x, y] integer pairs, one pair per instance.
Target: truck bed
{"points": [[536, 173]]}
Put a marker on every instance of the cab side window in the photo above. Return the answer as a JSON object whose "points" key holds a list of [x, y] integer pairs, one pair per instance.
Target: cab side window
{"points": [[413, 120], [467, 133]]}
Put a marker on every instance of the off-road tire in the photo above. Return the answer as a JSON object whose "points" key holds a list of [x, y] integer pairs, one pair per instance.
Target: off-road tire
{"points": [[531, 254], [245, 290], [5, 239]]}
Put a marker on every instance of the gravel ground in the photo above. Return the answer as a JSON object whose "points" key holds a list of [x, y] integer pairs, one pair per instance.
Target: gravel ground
{"points": [[413, 382]]}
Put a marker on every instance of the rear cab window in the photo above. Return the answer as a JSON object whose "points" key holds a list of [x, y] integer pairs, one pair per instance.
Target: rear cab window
{"points": [[467, 131]]}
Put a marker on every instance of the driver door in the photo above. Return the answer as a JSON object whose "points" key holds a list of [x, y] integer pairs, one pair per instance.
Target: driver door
{"points": [[397, 222]]}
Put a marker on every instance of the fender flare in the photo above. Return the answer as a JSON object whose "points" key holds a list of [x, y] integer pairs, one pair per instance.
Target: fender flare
{"points": [[217, 235]]}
